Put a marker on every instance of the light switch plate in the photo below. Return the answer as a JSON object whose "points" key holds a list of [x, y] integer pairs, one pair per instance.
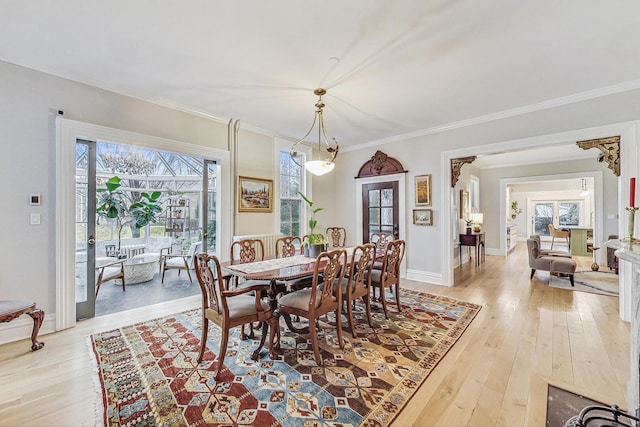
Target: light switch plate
{"points": [[35, 219]]}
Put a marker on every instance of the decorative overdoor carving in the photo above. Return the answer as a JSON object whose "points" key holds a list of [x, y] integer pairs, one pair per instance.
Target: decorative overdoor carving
{"points": [[456, 165], [380, 164], [610, 148]]}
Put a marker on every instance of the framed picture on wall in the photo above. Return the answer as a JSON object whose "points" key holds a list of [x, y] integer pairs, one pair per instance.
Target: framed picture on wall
{"points": [[423, 217], [255, 194], [423, 190], [464, 204]]}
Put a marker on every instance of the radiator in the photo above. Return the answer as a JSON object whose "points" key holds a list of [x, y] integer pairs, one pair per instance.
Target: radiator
{"points": [[268, 240]]}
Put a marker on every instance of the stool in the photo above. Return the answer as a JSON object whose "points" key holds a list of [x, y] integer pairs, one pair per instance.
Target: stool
{"points": [[10, 310], [564, 266]]}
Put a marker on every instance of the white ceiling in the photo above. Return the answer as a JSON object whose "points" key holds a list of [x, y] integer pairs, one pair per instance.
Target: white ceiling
{"points": [[404, 67]]}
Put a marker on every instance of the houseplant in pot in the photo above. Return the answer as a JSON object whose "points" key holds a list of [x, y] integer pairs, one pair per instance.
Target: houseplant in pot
{"points": [[117, 204], [315, 243], [515, 210]]}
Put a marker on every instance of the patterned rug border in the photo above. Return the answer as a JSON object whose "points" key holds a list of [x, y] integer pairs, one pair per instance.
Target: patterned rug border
{"points": [[400, 394]]}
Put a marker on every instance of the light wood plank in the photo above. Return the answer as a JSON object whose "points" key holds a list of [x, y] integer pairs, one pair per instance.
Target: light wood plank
{"points": [[526, 336]]}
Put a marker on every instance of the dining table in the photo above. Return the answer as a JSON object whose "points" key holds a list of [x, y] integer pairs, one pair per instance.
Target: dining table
{"points": [[282, 275]]}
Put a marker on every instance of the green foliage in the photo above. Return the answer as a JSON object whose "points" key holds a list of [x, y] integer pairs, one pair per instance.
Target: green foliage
{"points": [[515, 210], [114, 203], [313, 237]]}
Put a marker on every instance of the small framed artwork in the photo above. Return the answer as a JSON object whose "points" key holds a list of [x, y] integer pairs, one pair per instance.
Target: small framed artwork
{"points": [[423, 217], [464, 204], [255, 194], [423, 190]]}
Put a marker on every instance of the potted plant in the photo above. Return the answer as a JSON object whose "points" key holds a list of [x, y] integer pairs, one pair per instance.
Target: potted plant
{"points": [[315, 243], [515, 210], [113, 203]]}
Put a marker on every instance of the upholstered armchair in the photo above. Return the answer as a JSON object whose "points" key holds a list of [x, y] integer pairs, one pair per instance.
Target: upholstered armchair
{"points": [[552, 264], [549, 252]]}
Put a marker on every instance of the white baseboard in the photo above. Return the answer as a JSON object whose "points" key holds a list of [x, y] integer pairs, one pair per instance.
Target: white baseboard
{"points": [[424, 276], [491, 251], [20, 328]]}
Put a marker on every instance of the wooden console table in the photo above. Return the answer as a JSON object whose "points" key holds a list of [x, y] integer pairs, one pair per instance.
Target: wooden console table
{"points": [[477, 241]]}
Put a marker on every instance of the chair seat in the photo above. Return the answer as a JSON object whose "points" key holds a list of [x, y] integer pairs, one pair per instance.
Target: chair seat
{"points": [[175, 261], [240, 306], [298, 299], [376, 276], [10, 306]]}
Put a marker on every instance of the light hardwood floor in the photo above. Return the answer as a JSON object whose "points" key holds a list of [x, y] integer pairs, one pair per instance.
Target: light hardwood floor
{"points": [[526, 336]]}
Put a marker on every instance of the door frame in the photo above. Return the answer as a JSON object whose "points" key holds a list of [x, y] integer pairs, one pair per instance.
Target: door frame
{"points": [[598, 203], [400, 178], [630, 160], [67, 132]]}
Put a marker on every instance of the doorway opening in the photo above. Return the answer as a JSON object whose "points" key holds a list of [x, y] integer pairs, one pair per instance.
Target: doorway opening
{"points": [[125, 259]]}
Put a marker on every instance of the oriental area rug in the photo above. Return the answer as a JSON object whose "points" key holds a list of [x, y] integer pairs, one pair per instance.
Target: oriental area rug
{"points": [[149, 375]]}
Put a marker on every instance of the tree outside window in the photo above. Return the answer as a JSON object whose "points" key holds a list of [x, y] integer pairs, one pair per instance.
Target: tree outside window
{"points": [[291, 179]]}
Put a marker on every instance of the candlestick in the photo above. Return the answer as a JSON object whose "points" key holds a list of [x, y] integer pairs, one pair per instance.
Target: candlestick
{"points": [[631, 223], [632, 192]]}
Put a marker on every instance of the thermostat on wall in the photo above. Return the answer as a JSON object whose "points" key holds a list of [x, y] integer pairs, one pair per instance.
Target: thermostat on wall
{"points": [[34, 199]]}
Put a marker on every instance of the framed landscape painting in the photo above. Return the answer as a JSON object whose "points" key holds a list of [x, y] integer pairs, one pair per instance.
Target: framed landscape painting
{"points": [[423, 190], [255, 194], [423, 217]]}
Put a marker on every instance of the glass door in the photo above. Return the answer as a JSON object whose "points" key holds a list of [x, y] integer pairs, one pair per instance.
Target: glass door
{"points": [[380, 209], [85, 214]]}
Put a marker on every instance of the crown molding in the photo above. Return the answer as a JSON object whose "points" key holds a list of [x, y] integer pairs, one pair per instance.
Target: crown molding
{"points": [[552, 103]]}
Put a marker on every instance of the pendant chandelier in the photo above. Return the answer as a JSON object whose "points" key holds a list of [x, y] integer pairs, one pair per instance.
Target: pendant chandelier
{"points": [[327, 154]]}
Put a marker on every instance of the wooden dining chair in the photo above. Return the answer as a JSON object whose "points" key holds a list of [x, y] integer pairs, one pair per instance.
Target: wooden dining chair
{"points": [[242, 252], [229, 308], [357, 282], [288, 246], [313, 302], [380, 239], [247, 250], [337, 236], [389, 275]]}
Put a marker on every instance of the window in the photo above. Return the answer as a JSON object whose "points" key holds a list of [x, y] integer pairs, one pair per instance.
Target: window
{"points": [[567, 214], [291, 181]]}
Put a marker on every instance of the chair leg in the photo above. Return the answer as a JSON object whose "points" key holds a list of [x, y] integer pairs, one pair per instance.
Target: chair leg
{"points": [[203, 341], [384, 302], [38, 316], [533, 271], [223, 350], [339, 325], [571, 279], [367, 301], [314, 342], [164, 268], [186, 267], [273, 332], [398, 297], [350, 317], [123, 283], [553, 239], [265, 328]]}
